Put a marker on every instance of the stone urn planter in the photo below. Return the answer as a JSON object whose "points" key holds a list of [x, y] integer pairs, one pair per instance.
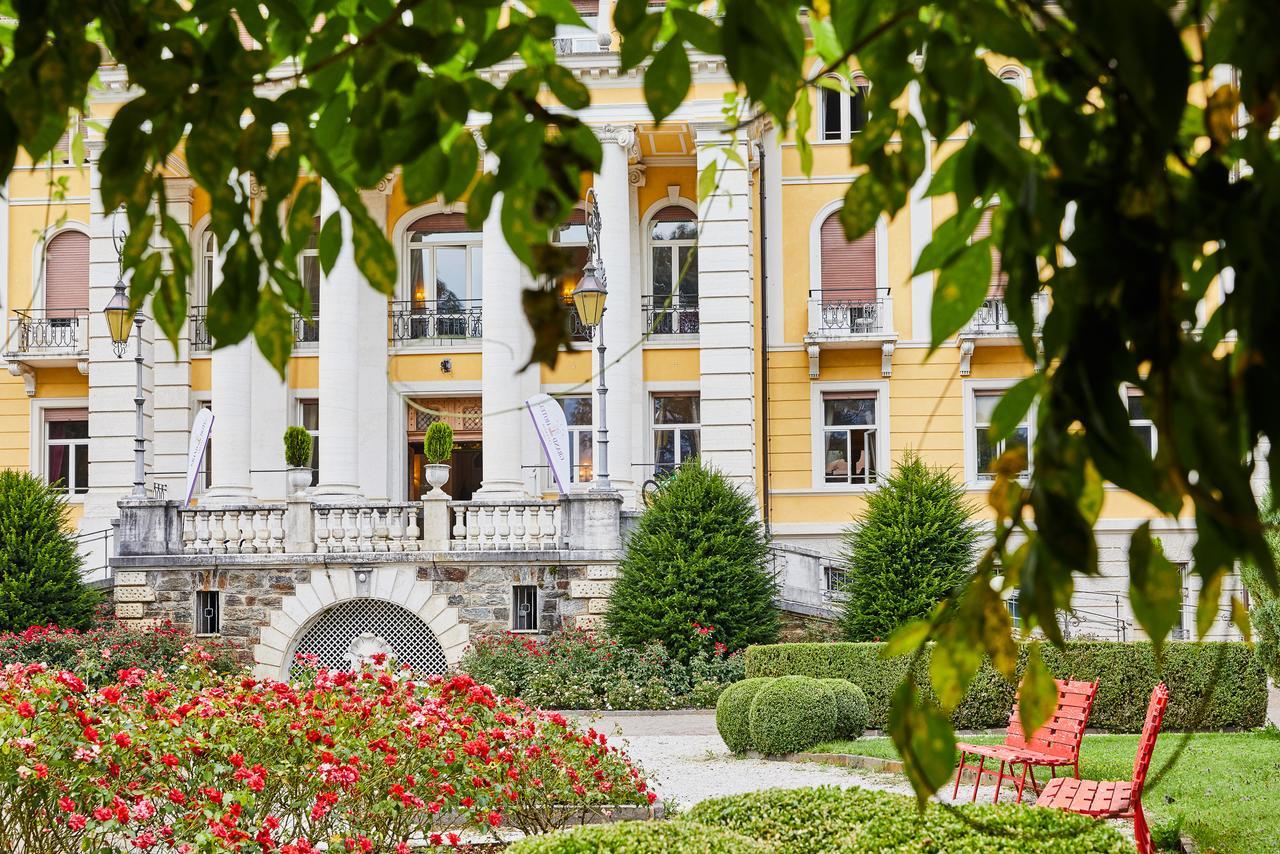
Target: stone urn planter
{"points": [[298, 479], [437, 447], [436, 474]]}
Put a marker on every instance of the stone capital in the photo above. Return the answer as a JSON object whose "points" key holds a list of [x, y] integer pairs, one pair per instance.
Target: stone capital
{"points": [[624, 136]]}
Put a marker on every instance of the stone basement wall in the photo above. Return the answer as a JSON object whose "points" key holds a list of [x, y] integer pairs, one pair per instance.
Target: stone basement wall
{"points": [[572, 593]]}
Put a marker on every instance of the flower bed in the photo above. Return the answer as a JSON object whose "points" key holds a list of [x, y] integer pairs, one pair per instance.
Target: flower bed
{"points": [[97, 655], [577, 669], [368, 761]]}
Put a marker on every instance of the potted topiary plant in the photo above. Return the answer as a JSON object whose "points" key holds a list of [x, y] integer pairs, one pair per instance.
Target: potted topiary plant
{"points": [[297, 456], [438, 447]]}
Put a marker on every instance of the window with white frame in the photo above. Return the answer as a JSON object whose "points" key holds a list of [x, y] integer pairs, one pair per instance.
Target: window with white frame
{"points": [[208, 612], [524, 608], [577, 413], [445, 273], [673, 272], [835, 581], [844, 107], [987, 450], [308, 328], [66, 452], [202, 282], [309, 420], [850, 420], [677, 432], [570, 38], [66, 277], [1143, 427]]}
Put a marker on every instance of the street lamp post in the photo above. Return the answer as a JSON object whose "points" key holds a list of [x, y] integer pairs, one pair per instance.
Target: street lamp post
{"points": [[589, 299], [119, 319]]}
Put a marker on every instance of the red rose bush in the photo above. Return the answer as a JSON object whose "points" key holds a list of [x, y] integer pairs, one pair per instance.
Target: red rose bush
{"points": [[368, 761]]}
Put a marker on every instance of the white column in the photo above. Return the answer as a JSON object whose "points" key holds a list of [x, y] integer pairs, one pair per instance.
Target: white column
{"points": [[111, 379], [921, 207], [270, 417], [374, 390], [339, 375], [173, 371], [504, 348], [622, 318], [232, 392], [727, 335]]}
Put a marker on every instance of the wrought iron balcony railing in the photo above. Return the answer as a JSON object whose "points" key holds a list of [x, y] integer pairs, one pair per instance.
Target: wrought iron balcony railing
{"points": [[306, 330], [435, 321], [847, 314], [41, 332], [670, 314], [198, 329], [991, 318]]}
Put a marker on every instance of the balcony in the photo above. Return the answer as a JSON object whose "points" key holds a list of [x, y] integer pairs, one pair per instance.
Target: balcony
{"points": [[40, 338], [435, 322], [850, 319], [670, 314], [198, 329], [306, 330], [991, 326]]}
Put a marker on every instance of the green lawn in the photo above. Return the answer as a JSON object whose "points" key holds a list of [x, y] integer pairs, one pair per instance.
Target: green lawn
{"points": [[1224, 788]]}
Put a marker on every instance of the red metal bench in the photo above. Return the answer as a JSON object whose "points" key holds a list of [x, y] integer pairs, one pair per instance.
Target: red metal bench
{"points": [[1122, 799], [1055, 745]]}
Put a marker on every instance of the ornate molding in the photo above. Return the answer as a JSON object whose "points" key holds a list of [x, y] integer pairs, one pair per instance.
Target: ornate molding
{"points": [[886, 358], [28, 374], [635, 174], [624, 136], [966, 356], [815, 356]]}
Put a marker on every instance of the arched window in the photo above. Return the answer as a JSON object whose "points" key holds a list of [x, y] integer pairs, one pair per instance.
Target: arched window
{"points": [[445, 282], [66, 276], [844, 108], [207, 257], [1015, 78], [671, 305]]}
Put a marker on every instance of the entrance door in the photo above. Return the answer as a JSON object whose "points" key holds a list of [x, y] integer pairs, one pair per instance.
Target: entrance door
{"points": [[461, 413], [465, 471]]}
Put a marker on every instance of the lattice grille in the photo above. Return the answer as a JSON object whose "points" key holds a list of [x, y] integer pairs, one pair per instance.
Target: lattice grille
{"points": [[350, 631]]}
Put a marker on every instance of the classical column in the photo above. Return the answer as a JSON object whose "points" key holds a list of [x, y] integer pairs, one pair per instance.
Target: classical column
{"points": [[374, 391], [727, 335], [232, 391], [622, 318], [339, 375], [504, 348], [173, 370]]}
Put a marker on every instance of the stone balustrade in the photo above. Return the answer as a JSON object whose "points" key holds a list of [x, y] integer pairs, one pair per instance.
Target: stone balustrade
{"points": [[236, 529], [509, 525], [367, 527]]}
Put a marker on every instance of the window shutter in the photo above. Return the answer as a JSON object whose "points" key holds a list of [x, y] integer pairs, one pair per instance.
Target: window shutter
{"points": [[66, 274], [848, 268], [442, 223], [674, 213], [587, 7], [70, 414], [998, 278]]}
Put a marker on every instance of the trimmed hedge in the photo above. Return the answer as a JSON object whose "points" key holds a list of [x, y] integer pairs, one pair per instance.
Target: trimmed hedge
{"points": [[851, 707], [860, 820], [733, 713], [639, 837], [1203, 695], [792, 713]]}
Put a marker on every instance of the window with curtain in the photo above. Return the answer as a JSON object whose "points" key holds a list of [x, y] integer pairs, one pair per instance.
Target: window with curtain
{"points": [[66, 438], [987, 450], [444, 271], [577, 413], [673, 271], [849, 423], [66, 276], [677, 433]]}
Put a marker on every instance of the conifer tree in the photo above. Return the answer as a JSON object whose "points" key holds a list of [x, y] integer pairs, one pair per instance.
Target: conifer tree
{"points": [[40, 579], [912, 546], [698, 558]]}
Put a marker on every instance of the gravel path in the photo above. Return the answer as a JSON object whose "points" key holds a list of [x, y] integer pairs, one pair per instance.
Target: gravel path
{"points": [[687, 762]]}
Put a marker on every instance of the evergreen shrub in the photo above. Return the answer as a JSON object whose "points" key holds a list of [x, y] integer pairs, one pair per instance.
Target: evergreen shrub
{"points": [[851, 708], [297, 447], [733, 713], [437, 445], [792, 713]]}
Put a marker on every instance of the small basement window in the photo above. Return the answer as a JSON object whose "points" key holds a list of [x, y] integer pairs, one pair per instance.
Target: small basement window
{"points": [[524, 608], [208, 612]]}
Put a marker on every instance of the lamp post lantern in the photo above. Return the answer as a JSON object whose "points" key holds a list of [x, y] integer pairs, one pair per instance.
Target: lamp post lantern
{"points": [[119, 319], [589, 299]]}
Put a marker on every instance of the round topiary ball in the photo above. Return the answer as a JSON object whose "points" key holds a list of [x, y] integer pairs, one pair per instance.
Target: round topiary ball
{"points": [[733, 711], [851, 707], [791, 714]]}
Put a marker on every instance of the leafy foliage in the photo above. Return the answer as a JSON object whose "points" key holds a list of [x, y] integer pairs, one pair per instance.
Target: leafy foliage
{"points": [[438, 444], [640, 837], [851, 707], [40, 580], [912, 547], [697, 559], [792, 713], [1264, 603], [733, 713], [850, 820], [297, 447], [1212, 685]]}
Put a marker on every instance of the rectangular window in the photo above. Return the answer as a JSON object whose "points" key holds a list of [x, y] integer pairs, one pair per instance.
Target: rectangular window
{"points": [[66, 439], [849, 424], [834, 581], [577, 412], [677, 435], [1143, 427], [309, 420], [208, 612], [987, 450], [524, 608]]}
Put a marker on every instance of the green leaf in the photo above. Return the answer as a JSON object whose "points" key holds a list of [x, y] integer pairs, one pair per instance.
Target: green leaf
{"points": [[374, 255], [804, 122], [707, 181], [949, 239], [1207, 605], [962, 286], [274, 331], [906, 638], [424, 177], [1038, 696], [1155, 588], [956, 656], [302, 215], [637, 43], [629, 14], [560, 11], [464, 157], [548, 318], [698, 30], [503, 43], [330, 242], [570, 91], [1014, 405], [924, 738], [666, 81], [1093, 495]]}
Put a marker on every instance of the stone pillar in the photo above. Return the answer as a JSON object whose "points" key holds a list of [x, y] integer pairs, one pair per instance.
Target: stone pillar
{"points": [[727, 336], [232, 388], [623, 321], [371, 359], [921, 218], [111, 378], [339, 374], [504, 348], [173, 372], [592, 520], [270, 418]]}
